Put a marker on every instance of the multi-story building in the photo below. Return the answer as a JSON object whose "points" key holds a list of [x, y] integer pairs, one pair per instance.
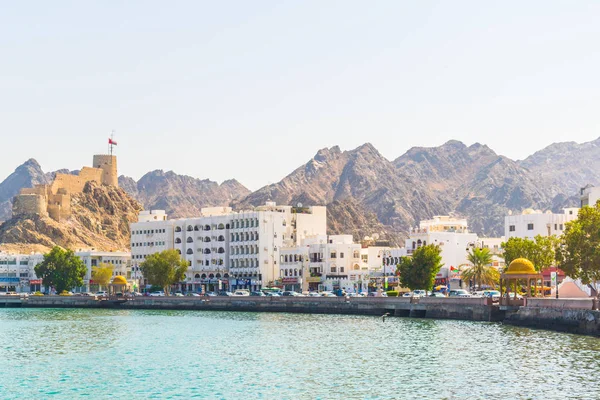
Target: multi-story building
{"points": [[454, 239], [152, 233], [17, 272], [589, 195], [119, 261], [231, 250], [334, 262], [535, 222]]}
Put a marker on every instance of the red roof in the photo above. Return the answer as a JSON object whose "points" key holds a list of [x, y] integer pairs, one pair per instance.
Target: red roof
{"points": [[546, 272]]}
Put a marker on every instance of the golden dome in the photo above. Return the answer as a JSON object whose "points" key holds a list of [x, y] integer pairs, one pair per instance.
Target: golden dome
{"points": [[120, 280], [521, 266]]}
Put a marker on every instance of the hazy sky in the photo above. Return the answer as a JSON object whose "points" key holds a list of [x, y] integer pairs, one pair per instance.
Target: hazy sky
{"points": [[252, 89]]}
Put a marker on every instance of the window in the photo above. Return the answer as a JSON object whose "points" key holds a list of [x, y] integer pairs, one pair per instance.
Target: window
{"points": [[190, 240], [529, 227], [555, 227], [333, 254], [511, 228], [177, 229], [341, 255], [356, 254], [341, 269], [190, 251], [561, 227]]}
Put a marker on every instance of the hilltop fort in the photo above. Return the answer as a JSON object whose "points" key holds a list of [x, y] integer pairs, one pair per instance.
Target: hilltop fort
{"points": [[54, 200]]}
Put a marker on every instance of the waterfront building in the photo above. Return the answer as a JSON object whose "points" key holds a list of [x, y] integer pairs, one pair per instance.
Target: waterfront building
{"points": [[228, 250], [535, 222], [454, 239], [119, 261], [589, 195], [335, 262]]}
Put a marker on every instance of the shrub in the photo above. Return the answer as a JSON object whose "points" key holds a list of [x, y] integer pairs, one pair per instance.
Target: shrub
{"points": [[392, 293]]}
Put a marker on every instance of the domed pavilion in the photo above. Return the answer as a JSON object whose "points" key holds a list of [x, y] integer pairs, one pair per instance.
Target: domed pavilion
{"points": [[118, 285], [519, 270]]}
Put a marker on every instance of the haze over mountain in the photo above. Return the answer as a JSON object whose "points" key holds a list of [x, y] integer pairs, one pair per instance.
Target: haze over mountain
{"points": [[367, 193]]}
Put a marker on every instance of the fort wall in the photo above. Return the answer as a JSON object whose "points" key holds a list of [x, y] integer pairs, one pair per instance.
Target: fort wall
{"points": [[54, 200], [108, 164]]}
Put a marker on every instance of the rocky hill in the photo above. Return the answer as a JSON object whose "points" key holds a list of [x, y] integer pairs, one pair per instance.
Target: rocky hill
{"points": [[181, 195], [563, 168], [25, 175], [100, 219]]}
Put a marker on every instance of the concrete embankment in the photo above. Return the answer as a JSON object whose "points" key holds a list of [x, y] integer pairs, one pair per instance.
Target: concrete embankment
{"points": [[564, 315], [474, 309], [567, 315]]}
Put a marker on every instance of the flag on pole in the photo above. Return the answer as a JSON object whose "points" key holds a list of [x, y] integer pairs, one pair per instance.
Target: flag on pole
{"points": [[113, 142]]}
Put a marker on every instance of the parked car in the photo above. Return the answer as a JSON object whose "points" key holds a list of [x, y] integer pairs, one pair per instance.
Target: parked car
{"points": [[419, 293], [459, 293], [258, 293], [436, 294], [272, 294], [210, 294], [157, 294], [291, 293], [493, 294], [327, 294], [313, 294], [192, 294], [241, 292], [225, 293], [408, 294], [101, 293], [178, 294]]}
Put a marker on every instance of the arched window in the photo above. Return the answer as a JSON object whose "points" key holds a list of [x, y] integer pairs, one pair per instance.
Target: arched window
{"points": [[203, 276], [221, 238], [197, 276], [178, 251], [414, 245], [424, 243], [211, 276], [207, 239], [190, 228], [247, 236], [226, 226], [241, 249], [190, 240], [217, 275], [285, 272], [221, 226], [177, 240], [206, 251], [295, 272], [177, 229], [419, 243], [189, 251], [207, 227], [196, 228], [285, 259], [237, 237], [221, 250]]}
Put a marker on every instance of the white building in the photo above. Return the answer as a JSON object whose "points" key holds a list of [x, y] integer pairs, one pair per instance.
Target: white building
{"points": [[17, 272], [334, 262], [230, 250], [589, 196], [119, 261], [535, 222], [454, 239]]}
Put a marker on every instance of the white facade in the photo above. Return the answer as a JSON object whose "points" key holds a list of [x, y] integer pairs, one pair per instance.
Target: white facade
{"points": [[229, 250], [335, 263], [454, 239], [17, 271], [535, 222], [120, 261], [589, 196]]}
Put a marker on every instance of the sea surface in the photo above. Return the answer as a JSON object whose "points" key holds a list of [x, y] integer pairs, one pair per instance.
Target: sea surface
{"points": [[101, 354]]}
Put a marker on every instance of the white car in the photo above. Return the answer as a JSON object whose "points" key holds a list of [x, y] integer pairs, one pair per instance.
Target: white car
{"points": [[459, 293], [101, 293], [157, 294], [241, 293], [419, 293]]}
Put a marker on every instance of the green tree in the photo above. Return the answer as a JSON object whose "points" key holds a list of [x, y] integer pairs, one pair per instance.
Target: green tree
{"points": [[102, 274], [540, 251], [419, 271], [481, 272], [61, 269], [164, 268], [578, 252]]}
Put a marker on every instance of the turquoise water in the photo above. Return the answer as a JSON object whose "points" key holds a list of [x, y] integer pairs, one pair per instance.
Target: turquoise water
{"points": [[96, 354]]}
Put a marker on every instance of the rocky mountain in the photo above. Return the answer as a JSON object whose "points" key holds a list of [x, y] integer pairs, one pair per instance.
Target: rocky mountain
{"points": [[181, 195], [100, 219], [362, 175], [25, 175], [563, 168]]}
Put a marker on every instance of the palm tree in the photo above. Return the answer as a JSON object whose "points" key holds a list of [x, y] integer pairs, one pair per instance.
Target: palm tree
{"points": [[481, 272]]}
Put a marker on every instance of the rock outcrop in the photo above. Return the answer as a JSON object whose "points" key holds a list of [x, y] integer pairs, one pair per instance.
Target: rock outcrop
{"points": [[100, 217], [25, 175]]}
